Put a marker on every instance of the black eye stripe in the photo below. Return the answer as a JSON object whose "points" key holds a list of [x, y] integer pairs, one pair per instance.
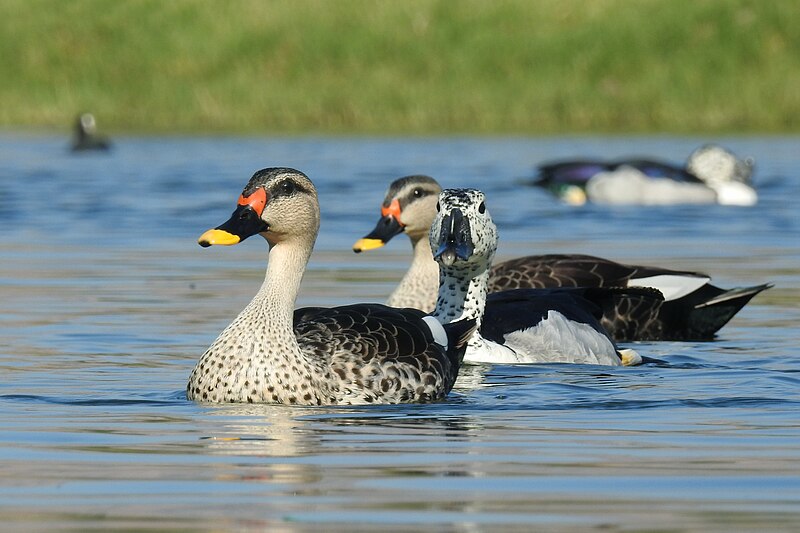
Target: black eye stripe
{"points": [[417, 193], [286, 188]]}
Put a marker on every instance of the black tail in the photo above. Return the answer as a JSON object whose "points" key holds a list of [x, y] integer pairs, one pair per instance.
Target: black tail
{"points": [[698, 316], [458, 334]]}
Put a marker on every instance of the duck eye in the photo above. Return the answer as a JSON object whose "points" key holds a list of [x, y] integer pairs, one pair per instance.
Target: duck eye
{"points": [[482, 208], [438, 207], [287, 187], [417, 193]]}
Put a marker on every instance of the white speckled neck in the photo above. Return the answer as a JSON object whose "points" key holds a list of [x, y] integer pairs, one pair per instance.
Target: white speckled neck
{"points": [[462, 294]]}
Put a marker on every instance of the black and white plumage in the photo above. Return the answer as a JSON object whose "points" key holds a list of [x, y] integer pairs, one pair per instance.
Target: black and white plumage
{"points": [[86, 137], [692, 308], [355, 354], [529, 326], [712, 174]]}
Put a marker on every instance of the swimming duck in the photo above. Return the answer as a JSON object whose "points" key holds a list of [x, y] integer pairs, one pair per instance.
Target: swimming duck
{"points": [[693, 309], [530, 326], [86, 137], [712, 175], [354, 354]]}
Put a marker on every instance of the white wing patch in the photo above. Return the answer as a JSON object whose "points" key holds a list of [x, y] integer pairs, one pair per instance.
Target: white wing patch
{"points": [[437, 330], [670, 285]]}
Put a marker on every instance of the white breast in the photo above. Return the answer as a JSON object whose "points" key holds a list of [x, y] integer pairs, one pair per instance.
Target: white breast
{"points": [[555, 339], [627, 185]]}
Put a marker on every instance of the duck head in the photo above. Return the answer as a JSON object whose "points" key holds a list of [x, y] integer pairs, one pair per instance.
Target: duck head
{"points": [[85, 126], [280, 204], [408, 207], [716, 165], [463, 234]]}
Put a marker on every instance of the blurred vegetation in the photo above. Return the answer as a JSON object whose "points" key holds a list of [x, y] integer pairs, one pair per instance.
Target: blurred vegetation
{"points": [[406, 66]]}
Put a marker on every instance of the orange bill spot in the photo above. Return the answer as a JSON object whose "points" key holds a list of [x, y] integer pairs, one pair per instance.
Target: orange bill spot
{"points": [[257, 200], [392, 210]]}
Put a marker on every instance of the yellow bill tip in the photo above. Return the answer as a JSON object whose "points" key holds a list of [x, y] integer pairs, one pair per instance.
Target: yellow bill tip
{"points": [[630, 357], [363, 245], [217, 236], [575, 196]]}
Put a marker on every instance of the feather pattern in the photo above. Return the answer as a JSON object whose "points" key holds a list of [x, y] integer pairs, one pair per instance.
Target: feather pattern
{"points": [[628, 315], [712, 174], [521, 326], [355, 354]]}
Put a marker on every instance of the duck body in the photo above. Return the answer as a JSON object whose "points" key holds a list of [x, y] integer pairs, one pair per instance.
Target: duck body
{"points": [[547, 325], [712, 175], [86, 137], [356, 354], [668, 305], [692, 308], [523, 326]]}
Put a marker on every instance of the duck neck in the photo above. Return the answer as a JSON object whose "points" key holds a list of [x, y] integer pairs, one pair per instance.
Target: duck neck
{"points": [[254, 358], [285, 269], [419, 285], [462, 294], [272, 308]]}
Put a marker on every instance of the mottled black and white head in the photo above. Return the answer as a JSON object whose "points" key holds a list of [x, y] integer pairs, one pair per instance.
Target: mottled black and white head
{"points": [[463, 235], [280, 204], [408, 207], [715, 165]]}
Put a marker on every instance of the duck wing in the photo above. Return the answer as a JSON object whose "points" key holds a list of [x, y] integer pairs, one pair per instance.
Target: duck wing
{"points": [[658, 169], [576, 172], [627, 314], [521, 309], [380, 354], [692, 308], [559, 270]]}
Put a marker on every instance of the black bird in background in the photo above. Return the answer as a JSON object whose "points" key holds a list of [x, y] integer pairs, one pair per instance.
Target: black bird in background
{"points": [[86, 137]]}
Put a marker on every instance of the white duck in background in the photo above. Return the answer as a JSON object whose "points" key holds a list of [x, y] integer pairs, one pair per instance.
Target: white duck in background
{"points": [[528, 326], [355, 354], [693, 309], [712, 174]]}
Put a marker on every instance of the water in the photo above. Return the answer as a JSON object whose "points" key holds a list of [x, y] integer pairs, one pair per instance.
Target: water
{"points": [[107, 303]]}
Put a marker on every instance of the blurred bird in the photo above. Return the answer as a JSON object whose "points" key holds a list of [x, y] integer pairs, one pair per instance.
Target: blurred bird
{"points": [[712, 175], [86, 137]]}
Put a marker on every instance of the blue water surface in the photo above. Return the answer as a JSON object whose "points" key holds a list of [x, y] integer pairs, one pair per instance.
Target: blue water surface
{"points": [[106, 303]]}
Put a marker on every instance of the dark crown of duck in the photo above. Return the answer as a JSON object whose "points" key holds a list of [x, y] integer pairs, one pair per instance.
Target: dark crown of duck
{"points": [[404, 193], [261, 209]]}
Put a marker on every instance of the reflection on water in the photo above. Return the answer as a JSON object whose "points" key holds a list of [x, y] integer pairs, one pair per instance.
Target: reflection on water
{"points": [[107, 302]]}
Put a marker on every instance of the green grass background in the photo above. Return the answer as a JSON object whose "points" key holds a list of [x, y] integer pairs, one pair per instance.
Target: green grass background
{"points": [[404, 66]]}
